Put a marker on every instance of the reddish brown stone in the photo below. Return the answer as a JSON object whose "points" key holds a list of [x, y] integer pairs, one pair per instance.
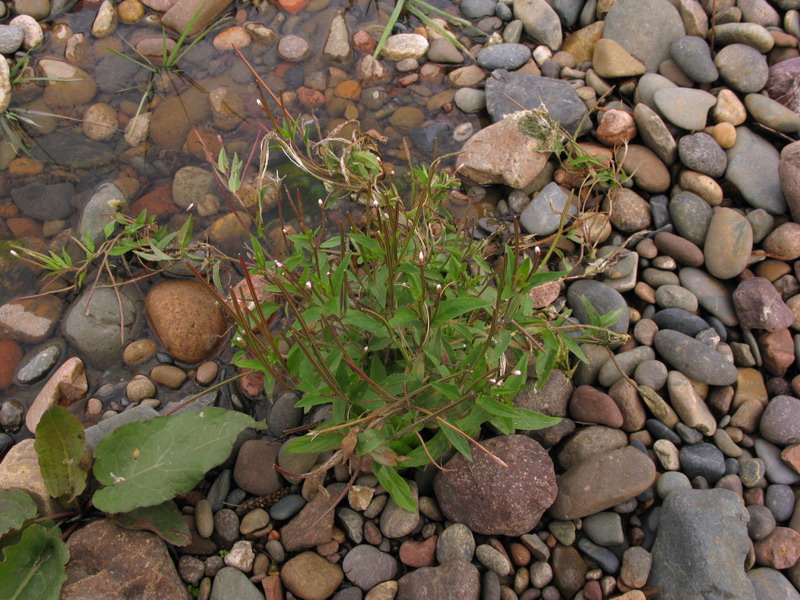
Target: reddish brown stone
{"points": [[588, 405], [186, 318], [157, 202], [10, 355], [363, 42], [760, 306], [419, 554], [520, 555], [314, 524], [777, 351], [493, 499], [779, 550], [310, 98], [22, 227], [682, 250], [791, 456]]}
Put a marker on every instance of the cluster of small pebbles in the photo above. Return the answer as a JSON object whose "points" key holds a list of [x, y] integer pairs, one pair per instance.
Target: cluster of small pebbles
{"points": [[675, 467]]}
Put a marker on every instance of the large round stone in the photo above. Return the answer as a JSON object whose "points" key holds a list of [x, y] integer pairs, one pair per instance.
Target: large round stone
{"points": [[186, 318], [495, 500]]}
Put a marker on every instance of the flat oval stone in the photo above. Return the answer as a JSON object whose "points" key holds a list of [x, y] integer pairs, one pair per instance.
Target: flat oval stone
{"points": [[711, 293], [752, 34], [685, 107], [780, 422], [601, 482], [701, 152], [742, 67], [680, 320], [753, 169], [693, 56], [604, 298], [691, 216], [729, 242], [503, 56], [694, 359], [772, 113]]}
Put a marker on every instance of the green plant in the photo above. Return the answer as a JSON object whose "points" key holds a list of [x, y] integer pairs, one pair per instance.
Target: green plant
{"points": [[132, 475], [410, 335], [171, 56], [125, 240]]}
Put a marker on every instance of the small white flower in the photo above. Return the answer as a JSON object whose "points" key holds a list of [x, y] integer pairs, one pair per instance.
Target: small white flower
{"points": [[438, 287], [537, 250], [284, 230], [366, 348], [421, 256], [308, 285], [190, 207], [279, 264], [375, 203], [319, 201], [516, 372], [492, 380], [258, 101], [13, 253]]}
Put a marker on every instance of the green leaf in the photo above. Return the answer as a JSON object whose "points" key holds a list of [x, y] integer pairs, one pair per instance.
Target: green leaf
{"points": [[361, 320], [521, 417], [450, 309], [148, 462], [60, 446], [185, 232], [397, 487], [165, 520], [109, 229], [314, 443], [16, 507], [459, 442], [33, 569]]}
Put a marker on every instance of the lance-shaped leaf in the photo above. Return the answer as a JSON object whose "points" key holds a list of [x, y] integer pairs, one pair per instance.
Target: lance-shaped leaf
{"points": [[165, 520], [33, 569], [16, 507], [60, 446], [148, 462]]}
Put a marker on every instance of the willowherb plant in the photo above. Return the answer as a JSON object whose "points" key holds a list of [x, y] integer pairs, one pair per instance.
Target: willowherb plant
{"points": [[403, 334]]}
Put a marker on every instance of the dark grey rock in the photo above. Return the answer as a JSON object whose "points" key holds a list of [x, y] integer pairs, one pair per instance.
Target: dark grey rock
{"points": [[680, 320], [602, 297], [693, 56], [366, 566], [508, 93], [287, 507], [780, 422], [694, 359], [645, 28], [456, 579], [779, 499], [769, 584], [543, 214], [602, 556], [753, 168], [39, 361], [777, 471], [691, 215], [284, 414], [762, 522], [503, 56], [701, 547], [703, 460], [700, 152], [44, 202]]}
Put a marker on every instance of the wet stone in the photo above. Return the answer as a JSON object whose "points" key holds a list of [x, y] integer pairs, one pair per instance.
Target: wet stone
{"points": [[39, 361], [503, 56]]}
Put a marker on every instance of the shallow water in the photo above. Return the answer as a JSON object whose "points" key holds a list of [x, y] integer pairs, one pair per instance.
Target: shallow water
{"points": [[180, 105]]}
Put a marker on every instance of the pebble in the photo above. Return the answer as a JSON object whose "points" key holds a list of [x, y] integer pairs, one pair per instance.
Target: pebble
{"points": [[455, 543], [503, 56], [700, 152], [742, 67], [694, 359], [684, 107]]}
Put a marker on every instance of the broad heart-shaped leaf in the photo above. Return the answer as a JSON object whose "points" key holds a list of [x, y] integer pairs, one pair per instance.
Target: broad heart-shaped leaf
{"points": [[455, 307], [60, 445], [165, 520], [148, 462], [15, 507], [33, 569]]}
